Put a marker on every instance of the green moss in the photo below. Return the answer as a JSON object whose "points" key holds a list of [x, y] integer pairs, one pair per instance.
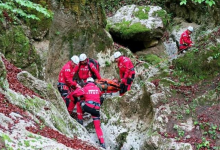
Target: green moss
{"points": [[38, 26], [107, 64], [34, 103], [74, 6], [18, 50], [49, 86], [202, 68], [145, 106], [163, 15], [59, 123], [121, 139], [101, 40], [128, 30], [142, 13], [101, 46], [146, 65], [105, 107], [152, 59], [3, 73]]}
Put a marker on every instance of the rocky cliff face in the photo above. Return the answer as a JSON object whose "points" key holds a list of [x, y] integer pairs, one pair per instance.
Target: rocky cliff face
{"points": [[77, 27]]}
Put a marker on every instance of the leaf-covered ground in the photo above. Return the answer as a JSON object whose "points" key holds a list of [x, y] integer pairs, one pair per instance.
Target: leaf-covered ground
{"points": [[204, 114]]}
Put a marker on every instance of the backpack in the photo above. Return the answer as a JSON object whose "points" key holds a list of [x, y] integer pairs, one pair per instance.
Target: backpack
{"points": [[97, 66]]}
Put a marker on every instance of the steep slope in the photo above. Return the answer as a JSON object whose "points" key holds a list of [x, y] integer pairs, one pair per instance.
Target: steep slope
{"points": [[23, 127]]}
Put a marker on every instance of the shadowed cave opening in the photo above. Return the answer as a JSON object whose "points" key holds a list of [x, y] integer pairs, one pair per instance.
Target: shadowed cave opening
{"points": [[134, 46]]}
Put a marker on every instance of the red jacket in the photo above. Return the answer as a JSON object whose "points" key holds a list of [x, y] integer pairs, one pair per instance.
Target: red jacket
{"points": [[90, 92], [84, 71], [126, 67], [66, 74], [185, 41]]}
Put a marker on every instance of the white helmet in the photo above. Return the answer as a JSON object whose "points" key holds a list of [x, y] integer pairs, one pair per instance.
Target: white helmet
{"points": [[190, 28], [82, 57], [75, 59], [117, 54], [89, 79]]}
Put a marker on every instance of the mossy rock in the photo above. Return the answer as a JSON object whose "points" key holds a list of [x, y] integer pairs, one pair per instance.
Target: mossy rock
{"points": [[142, 13], [97, 38], [163, 15], [128, 30], [18, 50], [3, 73], [39, 28]]}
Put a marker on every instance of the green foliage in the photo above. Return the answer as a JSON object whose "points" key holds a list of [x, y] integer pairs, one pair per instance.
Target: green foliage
{"points": [[203, 144], [107, 64], [187, 111], [208, 2], [180, 132], [142, 13], [26, 143], [15, 8], [6, 138]]}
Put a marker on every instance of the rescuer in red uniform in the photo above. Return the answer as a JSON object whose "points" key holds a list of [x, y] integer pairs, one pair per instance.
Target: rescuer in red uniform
{"points": [[126, 71], [185, 40], [66, 84], [87, 69], [91, 104]]}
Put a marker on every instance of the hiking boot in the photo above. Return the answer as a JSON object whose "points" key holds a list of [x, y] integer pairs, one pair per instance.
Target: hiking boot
{"points": [[80, 121], [103, 145]]}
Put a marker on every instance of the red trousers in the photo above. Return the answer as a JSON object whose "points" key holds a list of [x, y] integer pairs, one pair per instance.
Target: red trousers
{"points": [[96, 121], [78, 109]]}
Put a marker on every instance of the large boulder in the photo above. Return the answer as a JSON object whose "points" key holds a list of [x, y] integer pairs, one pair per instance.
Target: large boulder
{"points": [[18, 49], [139, 23], [77, 27]]}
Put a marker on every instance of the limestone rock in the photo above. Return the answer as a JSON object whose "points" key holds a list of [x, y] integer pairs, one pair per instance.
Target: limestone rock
{"points": [[60, 118], [155, 142], [138, 23], [157, 98], [77, 27]]}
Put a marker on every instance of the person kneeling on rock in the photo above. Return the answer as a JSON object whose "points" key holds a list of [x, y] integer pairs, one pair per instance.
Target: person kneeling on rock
{"points": [[91, 104]]}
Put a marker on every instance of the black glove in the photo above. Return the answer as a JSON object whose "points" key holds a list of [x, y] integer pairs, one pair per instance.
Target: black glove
{"points": [[122, 88]]}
